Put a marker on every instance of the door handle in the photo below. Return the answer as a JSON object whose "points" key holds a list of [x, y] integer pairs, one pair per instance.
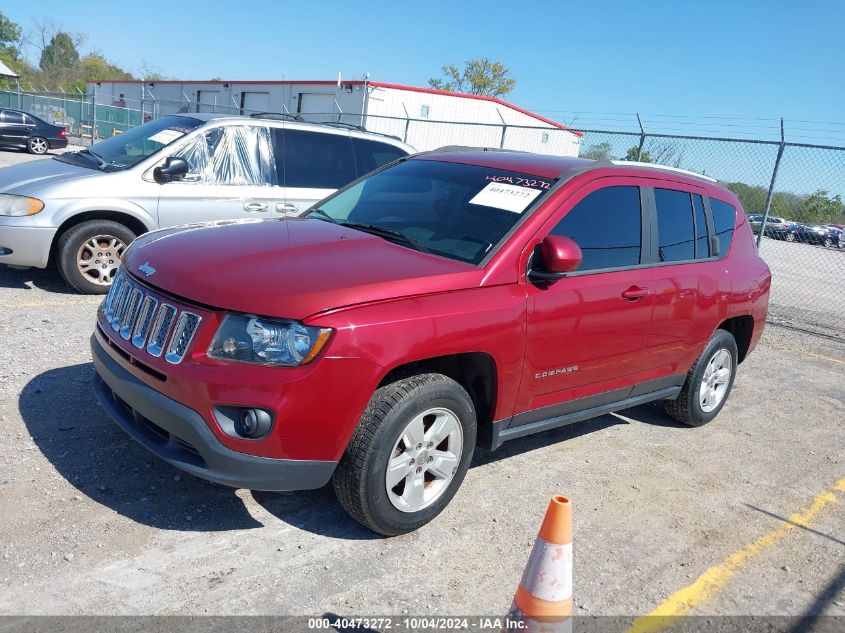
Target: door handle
{"points": [[258, 207], [286, 207], [635, 293]]}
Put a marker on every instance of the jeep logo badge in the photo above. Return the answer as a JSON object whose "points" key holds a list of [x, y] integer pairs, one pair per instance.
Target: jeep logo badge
{"points": [[148, 270]]}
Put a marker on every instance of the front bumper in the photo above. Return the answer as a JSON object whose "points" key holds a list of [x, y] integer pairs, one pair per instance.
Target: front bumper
{"points": [[24, 244], [180, 436]]}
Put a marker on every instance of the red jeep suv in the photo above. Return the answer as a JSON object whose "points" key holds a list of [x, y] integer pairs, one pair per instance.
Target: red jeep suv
{"points": [[453, 299]]}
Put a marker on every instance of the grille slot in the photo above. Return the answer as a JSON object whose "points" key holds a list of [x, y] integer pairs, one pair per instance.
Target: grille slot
{"points": [[133, 304], [144, 322], [137, 315], [161, 329], [182, 335]]}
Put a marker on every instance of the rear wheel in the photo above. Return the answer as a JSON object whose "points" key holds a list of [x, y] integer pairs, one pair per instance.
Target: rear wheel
{"points": [[708, 382], [88, 254], [37, 145], [408, 455]]}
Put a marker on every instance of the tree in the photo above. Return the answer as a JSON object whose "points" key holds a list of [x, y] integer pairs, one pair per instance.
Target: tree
{"points": [[633, 154], [823, 208], [597, 151], [60, 54], [10, 39], [479, 77]]}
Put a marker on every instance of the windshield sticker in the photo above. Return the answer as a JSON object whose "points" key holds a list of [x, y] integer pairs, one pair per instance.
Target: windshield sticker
{"points": [[522, 182], [502, 195], [166, 136]]}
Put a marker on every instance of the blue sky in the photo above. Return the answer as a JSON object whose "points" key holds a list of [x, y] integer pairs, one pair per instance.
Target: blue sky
{"points": [[753, 60]]}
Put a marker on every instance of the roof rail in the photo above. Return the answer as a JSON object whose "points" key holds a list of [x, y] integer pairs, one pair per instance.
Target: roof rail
{"points": [[276, 116], [284, 116], [470, 148], [677, 170]]}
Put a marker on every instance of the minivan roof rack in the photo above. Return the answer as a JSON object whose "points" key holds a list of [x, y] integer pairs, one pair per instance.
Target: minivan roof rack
{"points": [[677, 170], [276, 116], [284, 116]]}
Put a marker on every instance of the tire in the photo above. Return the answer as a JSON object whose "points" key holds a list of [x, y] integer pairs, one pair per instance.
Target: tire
{"points": [[37, 145], [828, 242], [688, 408], [85, 268], [790, 237], [384, 438]]}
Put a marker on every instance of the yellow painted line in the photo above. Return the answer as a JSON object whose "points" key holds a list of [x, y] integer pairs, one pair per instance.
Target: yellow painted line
{"points": [[711, 581], [45, 304], [832, 360]]}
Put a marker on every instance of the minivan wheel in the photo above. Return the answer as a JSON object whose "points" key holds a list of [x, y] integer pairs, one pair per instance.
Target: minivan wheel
{"points": [[37, 145], [409, 454], [88, 254], [708, 382]]}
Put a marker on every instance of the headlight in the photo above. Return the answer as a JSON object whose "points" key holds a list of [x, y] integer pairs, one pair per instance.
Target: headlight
{"points": [[267, 341], [19, 205]]}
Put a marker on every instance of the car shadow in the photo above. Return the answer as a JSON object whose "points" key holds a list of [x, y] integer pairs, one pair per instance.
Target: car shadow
{"points": [[32, 278], [94, 455]]}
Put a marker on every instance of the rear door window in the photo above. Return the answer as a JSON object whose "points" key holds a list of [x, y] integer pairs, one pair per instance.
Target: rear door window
{"points": [[14, 118], [313, 160], [675, 226], [370, 155], [724, 221], [607, 225]]}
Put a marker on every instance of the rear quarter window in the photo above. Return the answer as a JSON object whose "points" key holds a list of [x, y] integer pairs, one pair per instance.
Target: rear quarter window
{"points": [[370, 155], [724, 221]]}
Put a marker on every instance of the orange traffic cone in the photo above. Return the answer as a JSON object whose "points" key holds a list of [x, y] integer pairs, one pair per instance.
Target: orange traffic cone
{"points": [[543, 600]]}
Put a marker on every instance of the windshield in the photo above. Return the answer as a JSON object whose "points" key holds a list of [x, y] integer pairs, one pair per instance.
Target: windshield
{"points": [[449, 209], [126, 149]]}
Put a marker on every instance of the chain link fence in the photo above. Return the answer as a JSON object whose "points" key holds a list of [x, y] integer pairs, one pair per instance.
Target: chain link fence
{"points": [[798, 187]]}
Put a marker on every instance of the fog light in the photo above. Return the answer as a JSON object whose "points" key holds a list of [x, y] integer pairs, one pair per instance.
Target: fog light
{"points": [[253, 423], [243, 422]]}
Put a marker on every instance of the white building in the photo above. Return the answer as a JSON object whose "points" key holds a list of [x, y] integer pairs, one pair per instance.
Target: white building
{"points": [[422, 117]]}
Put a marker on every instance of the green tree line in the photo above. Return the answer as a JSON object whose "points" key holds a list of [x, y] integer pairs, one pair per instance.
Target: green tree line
{"points": [[60, 65]]}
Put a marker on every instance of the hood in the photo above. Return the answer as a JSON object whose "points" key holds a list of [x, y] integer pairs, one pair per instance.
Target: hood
{"points": [[27, 179], [289, 268]]}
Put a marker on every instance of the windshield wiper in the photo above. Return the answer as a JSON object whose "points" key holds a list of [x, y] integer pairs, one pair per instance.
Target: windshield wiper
{"points": [[388, 234], [96, 157], [321, 214]]}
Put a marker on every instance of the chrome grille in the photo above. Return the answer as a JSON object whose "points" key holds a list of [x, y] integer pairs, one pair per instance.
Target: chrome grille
{"points": [[144, 322], [161, 329], [182, 335], [137, 315]]}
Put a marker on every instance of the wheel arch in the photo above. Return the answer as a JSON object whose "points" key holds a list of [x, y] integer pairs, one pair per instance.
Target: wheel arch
{"points": [[474, 371], [135, 224], [742, 329]]}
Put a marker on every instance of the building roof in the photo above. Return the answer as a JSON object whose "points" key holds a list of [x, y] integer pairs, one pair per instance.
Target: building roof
{"points": [[5, 71], [377, 84]]}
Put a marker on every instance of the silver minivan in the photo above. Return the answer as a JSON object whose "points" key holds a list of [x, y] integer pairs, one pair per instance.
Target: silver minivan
{"points": [[80, 210]]}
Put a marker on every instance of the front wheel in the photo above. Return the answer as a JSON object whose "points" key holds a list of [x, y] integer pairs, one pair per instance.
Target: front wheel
{"points": [[828, 242], [790, 237], [708, 382], [409, 454], [88, 254]]}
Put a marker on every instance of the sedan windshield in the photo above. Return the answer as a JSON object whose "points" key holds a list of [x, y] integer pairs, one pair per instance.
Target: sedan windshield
{"points": [[449, 209], [126, 149]]}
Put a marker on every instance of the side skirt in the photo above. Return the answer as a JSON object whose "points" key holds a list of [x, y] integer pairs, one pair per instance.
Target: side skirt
{"points": [[493, 435]]}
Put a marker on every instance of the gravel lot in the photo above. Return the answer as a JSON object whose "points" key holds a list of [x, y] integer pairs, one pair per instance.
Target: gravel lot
{"points": [[93, 524]]}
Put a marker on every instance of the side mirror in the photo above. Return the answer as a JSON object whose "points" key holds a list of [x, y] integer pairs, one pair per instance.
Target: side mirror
{"points": [[557, 256], [172, 169]]}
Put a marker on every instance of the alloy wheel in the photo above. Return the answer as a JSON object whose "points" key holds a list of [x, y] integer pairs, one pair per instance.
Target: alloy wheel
{"points": [[99, 258], [715, 381], [424, 460], [38, 146]]}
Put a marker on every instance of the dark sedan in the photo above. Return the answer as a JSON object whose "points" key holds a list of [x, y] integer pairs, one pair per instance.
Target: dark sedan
{"points": [[818, 235], [23, 130]]}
